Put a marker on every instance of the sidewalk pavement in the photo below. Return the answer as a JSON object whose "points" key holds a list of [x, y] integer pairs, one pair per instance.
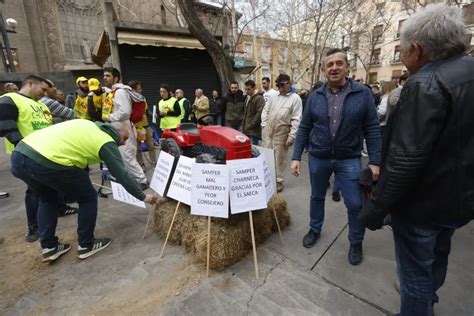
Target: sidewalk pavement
{"points": [[130, 278]]}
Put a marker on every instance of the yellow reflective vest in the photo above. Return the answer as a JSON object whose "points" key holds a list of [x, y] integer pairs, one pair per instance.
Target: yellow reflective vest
{"points": [[168, 121], [72, 143], [181, 106], [32, 116], [80, 107]]}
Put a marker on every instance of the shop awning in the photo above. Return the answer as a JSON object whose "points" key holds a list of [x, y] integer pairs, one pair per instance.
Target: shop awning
{"points": [[166, 40]]}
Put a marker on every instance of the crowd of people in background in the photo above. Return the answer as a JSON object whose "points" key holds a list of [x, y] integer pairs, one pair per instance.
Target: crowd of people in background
{"points": [[415, 132]]}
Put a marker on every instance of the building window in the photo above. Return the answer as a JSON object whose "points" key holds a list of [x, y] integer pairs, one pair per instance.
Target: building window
{"points": [[372, 77], [396, 54], [267, 52], [396, 74], [299, 54], [266, 71], [377, 33], [81, 25], [376, 57], [14, 57], [283, 55], [400, 24], [248, 52]]}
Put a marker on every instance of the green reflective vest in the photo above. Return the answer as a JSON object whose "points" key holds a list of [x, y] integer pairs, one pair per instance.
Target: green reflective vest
{"points": [[32, 116], [72, 143]]}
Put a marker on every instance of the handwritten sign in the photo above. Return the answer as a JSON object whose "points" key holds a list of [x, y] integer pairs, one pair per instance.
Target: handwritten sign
{"points": [[180, 186], [162, 173], [269, 180], [270, 157], [210, 190], [120, 194], [247, 185]]}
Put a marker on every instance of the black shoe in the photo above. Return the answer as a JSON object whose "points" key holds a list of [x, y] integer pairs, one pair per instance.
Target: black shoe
{"points": [[32, 234], [69, 211], [51, 254], [310, 238], [355, 254], [336, 196], [97, 245]]}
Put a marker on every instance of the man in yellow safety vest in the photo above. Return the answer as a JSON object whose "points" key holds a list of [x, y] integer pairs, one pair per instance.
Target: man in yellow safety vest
{"points": [[52, 162], [20, 115]]}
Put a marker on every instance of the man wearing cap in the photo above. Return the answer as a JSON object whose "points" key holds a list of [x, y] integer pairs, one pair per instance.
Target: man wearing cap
{"points": [[52, 162], [78, 99], [97, 108], [280, 120], [20, 115]]}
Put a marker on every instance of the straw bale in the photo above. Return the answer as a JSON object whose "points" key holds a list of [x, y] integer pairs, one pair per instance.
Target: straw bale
{"points": [[230, 238]]}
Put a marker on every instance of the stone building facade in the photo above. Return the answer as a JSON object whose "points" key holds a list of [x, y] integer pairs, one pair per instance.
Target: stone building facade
{"points": [[54, 38], [275, 56]]}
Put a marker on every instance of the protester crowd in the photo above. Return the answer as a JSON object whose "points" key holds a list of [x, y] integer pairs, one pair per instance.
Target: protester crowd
{"points": [[416, 133]]}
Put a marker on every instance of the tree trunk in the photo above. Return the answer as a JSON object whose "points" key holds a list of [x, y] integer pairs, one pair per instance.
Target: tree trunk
{"points": [[221, 60]]}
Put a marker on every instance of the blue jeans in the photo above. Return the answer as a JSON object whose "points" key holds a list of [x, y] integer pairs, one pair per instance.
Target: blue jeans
{"points": [[422, 253], [50, 185], [347, 174], [31, 204], [335, 187]]}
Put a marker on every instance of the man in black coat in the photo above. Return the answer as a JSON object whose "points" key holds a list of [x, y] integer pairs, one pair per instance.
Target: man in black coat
{"points": [[427, 170]]}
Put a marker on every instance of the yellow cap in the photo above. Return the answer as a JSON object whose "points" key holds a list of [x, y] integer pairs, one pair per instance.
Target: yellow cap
{"points": [[80, 79], [93, 83]]}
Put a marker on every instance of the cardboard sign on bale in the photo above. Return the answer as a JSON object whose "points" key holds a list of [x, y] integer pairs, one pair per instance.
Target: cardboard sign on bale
{"points": [[230, 238]]}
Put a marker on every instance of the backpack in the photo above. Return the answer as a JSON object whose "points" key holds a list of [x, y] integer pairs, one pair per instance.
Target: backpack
{"points": [[138, 109]]}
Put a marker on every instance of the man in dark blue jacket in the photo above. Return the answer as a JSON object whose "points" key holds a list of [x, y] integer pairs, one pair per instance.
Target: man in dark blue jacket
{"points": [[337, 118]]}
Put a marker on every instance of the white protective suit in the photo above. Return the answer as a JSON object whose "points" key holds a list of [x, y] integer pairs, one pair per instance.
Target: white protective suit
{"points": [[120, 117], [280, 120]]}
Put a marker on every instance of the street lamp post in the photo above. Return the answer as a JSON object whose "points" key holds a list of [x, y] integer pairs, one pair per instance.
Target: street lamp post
{"points": [[9, 67]]}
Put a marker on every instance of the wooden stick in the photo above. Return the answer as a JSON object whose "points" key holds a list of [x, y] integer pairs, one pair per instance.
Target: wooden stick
{"points": [[169, 230], [278, 224], [147, 223], [208, 243], [101, 186], [253, 245]]}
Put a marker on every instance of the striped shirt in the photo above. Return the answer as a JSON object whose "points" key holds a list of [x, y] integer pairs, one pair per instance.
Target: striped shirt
{"points": [[59, 111]]}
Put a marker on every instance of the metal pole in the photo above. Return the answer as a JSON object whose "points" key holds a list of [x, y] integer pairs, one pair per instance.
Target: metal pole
{"points": [[11, 65]]}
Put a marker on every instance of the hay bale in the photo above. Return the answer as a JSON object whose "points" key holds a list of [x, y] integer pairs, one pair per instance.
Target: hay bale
{"points": [[230, 238]]}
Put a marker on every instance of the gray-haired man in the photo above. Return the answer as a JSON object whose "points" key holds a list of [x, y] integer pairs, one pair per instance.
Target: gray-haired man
{"points": [[427, 171]]}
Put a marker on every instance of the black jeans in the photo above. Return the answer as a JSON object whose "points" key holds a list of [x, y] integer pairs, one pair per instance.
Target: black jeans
{"points": [[50, 185]]}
